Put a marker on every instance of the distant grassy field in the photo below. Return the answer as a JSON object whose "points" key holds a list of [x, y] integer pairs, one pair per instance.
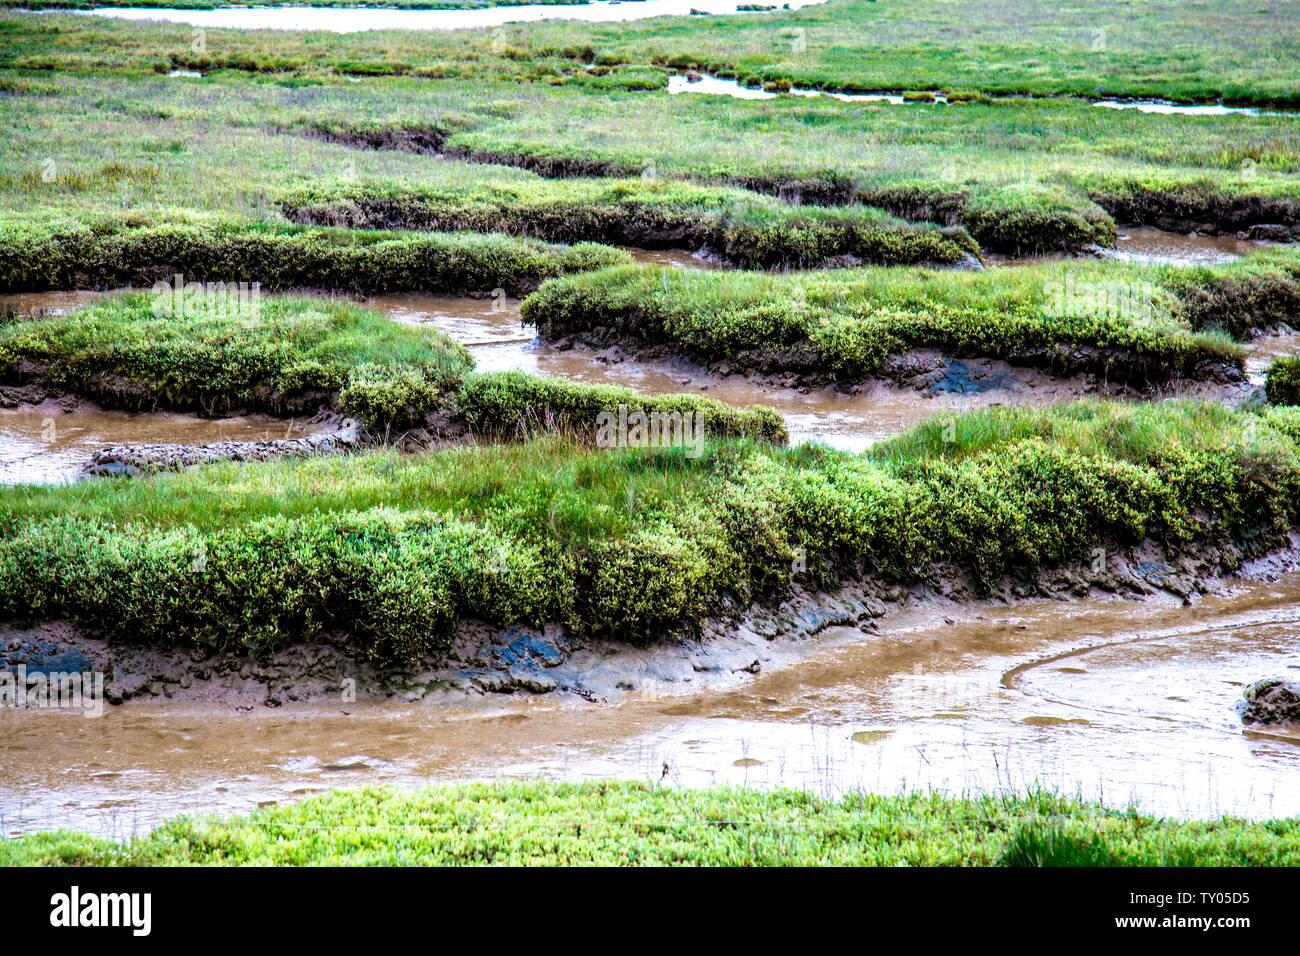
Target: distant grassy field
{"points": [[1199, 49], [607, 823], [1019, 174]]}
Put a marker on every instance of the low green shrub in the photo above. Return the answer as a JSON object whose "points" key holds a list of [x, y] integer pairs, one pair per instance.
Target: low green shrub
{"points": [[517, 405], [749, 229], [1282, 385], [1258, 293], [1027, 218], [630, 543], [389, 397], [141, 250], [281, 355], [844, 325]]}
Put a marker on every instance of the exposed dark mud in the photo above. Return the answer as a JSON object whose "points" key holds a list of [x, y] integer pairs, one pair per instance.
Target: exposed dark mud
{"points": [[1111, 371], [345, 434], [486, 659], [1273, 218], [57, 440]]}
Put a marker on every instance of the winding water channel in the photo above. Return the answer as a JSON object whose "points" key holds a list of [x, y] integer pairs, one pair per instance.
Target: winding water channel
{"points": [[1112, 699], [51, 444]]}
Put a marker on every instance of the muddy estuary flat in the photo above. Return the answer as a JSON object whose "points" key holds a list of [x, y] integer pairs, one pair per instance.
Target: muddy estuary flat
{"points": [[1114, 700]]}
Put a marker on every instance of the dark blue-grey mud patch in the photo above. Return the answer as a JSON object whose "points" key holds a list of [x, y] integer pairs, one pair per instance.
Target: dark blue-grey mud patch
{"points": [[42, 657], [965, 378]]}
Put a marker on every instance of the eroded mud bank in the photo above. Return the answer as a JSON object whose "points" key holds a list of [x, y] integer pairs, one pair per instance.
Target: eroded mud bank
{"points": [[734, 642]]}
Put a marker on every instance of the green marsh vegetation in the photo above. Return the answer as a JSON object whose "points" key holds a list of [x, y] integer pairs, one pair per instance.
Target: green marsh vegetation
{"points": [[1144, 323], [1283, 384], [629, 544], [284, 355], [1235, 49], [748, 230], [1019, 174], [141, 248], [489, 142], [608, 823], [275, 355]]}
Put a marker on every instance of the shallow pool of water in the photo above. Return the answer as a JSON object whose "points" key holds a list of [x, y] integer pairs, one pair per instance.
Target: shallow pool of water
{"points": [[1150, 246], [45, 445], [1147, 245], [1183, 109], [35, 304], [358, 19], [716, 86], [1261, 352], [1114, 700], [499, 343]]}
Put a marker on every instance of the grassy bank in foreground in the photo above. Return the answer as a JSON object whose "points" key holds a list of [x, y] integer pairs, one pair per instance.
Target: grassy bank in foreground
{"points": [[629, 824], [40, 252], [1133, 323], [630, 544], [748, 229]]}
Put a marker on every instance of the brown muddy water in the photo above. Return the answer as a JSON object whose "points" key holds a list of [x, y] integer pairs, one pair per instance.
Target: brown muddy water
{"points": [[498, 342], [1150, 246], [35, 304], [44, 444], [1114, 700], [1261, 352], [1147, 245]]}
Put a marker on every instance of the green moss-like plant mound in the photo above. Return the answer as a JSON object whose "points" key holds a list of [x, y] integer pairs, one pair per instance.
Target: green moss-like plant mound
{"points": [[608, 823], [844, 326], [218, 350], [518, 404], [1282, 385], [140, 250], [629, 543], [750, 229]]}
